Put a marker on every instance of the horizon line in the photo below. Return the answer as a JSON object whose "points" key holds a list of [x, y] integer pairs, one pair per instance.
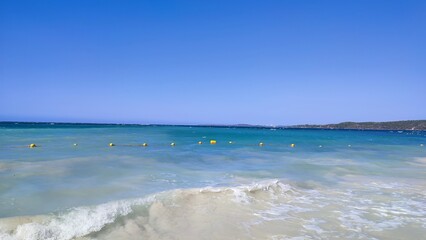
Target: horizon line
{"points": [[203, 124]]}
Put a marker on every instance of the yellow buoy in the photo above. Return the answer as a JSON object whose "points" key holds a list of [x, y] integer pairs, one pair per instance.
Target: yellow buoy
{"points": [[212, 141], [32, 145], [200, 142], [111, 144], [172, 144], [261, 144], [292, 145], [144, 144]]}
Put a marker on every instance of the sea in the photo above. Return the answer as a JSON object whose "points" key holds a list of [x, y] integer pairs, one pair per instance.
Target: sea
{"points": [[109, 181]]}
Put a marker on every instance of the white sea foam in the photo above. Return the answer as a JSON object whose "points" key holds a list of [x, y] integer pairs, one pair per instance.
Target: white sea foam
{"points": [[76, 222], [263, 210], [81, 221]]}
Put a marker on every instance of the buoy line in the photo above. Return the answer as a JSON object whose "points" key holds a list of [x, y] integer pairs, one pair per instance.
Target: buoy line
{"points": [[174, 144]]}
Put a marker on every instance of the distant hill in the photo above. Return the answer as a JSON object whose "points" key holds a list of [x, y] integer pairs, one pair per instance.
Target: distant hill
{"points": [[395, 125]]}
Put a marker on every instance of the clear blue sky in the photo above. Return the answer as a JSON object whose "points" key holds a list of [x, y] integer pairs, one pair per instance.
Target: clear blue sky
{"points": [[223, 61]]}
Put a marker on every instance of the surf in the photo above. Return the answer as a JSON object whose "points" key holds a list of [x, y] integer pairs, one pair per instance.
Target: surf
{"points": [[269, 209]]}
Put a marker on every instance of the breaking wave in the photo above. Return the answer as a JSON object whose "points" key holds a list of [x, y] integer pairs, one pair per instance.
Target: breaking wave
{"points": [[264, 210]]}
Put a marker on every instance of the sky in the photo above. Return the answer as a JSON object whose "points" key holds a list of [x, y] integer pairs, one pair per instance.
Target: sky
{"points": [[212, 62]]}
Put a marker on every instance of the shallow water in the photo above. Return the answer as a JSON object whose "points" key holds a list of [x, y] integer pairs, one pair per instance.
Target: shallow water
{"points": [[331, 185]]}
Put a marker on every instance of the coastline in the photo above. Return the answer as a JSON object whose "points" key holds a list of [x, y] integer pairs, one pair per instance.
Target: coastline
{"points": [[407, 125]]}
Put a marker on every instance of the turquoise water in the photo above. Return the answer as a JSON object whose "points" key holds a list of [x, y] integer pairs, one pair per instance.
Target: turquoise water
{"points": [[332, 184]]}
